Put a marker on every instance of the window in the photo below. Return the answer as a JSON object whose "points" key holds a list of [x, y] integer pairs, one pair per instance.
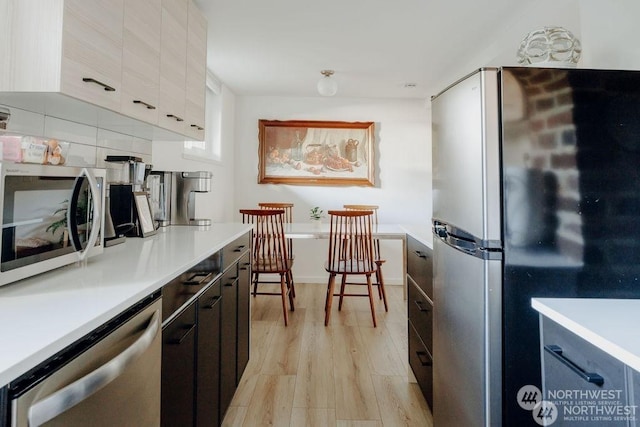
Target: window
{"points": [[210, 148]]}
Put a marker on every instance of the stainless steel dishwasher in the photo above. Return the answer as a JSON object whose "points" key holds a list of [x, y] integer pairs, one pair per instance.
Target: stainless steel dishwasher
{"points": [[111, 377]]}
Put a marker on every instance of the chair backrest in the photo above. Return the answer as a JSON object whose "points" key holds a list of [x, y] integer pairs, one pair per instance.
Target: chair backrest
{"points": [[350, 241], [287, 207], [269, 245], [288, 217], [373, 208]]}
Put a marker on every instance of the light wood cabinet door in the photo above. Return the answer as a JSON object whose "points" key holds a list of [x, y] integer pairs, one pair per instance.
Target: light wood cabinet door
{"points": [[92, 51], [173, 59], [196, 73], [141, 59]]}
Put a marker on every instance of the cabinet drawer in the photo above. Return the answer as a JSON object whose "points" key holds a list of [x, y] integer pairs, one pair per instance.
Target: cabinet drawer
{"points": [[421, 364], [420, 265], [234, 250], [183, 289], [573, 360], [178, 369], [420, 314]]}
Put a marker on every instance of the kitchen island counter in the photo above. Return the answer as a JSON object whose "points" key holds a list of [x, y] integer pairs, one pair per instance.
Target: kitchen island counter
{"points": [[44, 314], [609, 324]]}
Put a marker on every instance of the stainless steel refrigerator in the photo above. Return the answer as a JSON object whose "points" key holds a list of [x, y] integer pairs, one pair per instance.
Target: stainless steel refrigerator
{"points": [[536, 193]]}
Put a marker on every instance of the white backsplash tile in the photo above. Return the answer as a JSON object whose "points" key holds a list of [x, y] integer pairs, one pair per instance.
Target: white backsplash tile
{"points": [[25, 122], [65, 130]]}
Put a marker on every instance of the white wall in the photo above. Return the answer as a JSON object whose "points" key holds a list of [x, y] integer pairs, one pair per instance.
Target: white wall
{"points": [[216, 205], [403, 169], [607, 30]]}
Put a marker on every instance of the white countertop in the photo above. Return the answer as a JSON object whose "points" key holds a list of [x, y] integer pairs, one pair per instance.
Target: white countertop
{"points": [[320, 230], [609, 324], [42, 315], [420, 232]]}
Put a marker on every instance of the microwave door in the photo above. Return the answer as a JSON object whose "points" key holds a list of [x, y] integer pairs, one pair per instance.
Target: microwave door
{"points": [[73, 218]]}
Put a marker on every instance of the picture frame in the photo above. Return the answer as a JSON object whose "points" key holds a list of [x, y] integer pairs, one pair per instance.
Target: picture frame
{"points": [[143, 209], [307, 152]]}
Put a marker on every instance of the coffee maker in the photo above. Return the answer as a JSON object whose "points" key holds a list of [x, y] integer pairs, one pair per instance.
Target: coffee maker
{"points": [[173, 196], [125, 177]]}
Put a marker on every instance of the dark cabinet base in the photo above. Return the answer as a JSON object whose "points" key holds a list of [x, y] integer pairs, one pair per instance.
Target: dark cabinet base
{"points": [[421, 364]]}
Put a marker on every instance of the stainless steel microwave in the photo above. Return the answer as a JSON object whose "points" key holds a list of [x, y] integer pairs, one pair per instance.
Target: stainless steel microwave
{"points": [[51, 216]]}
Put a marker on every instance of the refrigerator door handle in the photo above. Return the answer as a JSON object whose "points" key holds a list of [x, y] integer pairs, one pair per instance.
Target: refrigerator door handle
{"points": [[466, 242]]}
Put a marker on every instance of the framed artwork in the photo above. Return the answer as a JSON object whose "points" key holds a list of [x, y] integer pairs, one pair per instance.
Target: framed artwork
{"points": [[144, 214], [315, 152]]}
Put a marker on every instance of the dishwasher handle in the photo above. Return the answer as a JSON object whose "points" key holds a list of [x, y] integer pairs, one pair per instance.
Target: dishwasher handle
{"points": [[74, 393]]}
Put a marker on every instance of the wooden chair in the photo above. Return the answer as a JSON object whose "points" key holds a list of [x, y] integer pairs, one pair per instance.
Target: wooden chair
{"points": [[269, 252], [376, 247], [288, 219], [350, 253]]}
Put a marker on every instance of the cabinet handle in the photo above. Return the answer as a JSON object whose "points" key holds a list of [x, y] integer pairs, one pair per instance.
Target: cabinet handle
{"points": [[590, 377], [239, 248], [232, 282], [245, 266], [420, 254], [149, 106], [198, 279], [187, 331], [212, 303], [424, 358], [420, 307], [197, 127], [173, 116], [106, 87]]}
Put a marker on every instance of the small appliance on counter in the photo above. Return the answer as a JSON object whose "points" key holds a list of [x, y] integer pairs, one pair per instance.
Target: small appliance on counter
{"points": [[159, 185], [51, 216], [125, 178], [173, 196]]}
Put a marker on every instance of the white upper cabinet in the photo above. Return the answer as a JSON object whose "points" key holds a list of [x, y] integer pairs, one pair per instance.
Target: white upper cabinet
{"points": [[173, 60], [92, 51], [68, 46], [196, 73], [126, 56], [141, 59]]}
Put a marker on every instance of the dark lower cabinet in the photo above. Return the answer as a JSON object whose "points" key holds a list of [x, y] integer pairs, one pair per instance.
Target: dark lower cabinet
{"points": [[228, 339], [178, 369], [244, 318], [208, 358], [206, 347], [420, 311], [4, 407]]}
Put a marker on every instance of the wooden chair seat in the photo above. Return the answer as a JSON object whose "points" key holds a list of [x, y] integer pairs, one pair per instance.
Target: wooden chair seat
{"points": [[269, 253], [288, 219], [350, 267], [351, 252], [379, 283], [272, 265]]}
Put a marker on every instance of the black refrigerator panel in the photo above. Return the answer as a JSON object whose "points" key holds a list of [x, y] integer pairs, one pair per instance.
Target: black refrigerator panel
{"points": [[571, 201]]}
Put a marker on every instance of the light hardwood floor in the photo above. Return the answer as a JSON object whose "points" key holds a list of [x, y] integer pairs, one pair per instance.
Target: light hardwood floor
{"points": [[346, 374]]}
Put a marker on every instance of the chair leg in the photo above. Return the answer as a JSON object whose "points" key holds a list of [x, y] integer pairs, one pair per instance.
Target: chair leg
{"points": [[290, 292], [327, 304], [292, 284], [382, 293], [283, 292], [255, 283], [373, 309], [343, 284]]}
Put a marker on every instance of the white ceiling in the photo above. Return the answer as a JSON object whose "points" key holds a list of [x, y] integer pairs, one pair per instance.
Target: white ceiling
{"points": [[278, 47]]}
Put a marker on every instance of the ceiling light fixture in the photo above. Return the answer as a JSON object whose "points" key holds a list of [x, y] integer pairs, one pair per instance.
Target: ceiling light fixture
{"points": [[327, 86]]}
